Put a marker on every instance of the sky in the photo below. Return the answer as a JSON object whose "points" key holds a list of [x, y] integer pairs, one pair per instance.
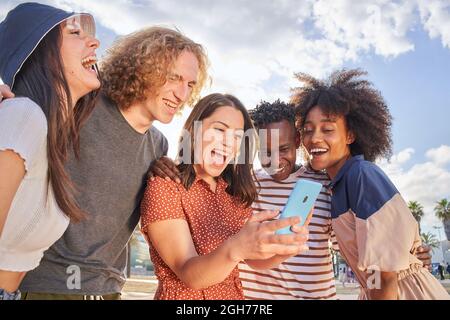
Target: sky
{"points": [[256, 46]]}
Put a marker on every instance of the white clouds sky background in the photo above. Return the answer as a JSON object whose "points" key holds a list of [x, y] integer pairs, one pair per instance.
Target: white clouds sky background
{"points": [[256, 46], [425, 182]]}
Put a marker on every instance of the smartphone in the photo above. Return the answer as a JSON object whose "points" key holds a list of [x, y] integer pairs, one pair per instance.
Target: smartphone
{"points": [[300, 202]]}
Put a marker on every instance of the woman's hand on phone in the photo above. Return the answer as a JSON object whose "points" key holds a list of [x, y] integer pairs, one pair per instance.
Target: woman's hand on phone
{"points": [[298, 227], [257, 239]]}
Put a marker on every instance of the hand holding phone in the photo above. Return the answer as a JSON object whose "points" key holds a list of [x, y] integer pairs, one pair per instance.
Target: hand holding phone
{"points": [[300, 202]]}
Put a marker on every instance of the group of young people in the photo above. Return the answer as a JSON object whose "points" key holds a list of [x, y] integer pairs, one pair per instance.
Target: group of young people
{"points": [[81, 164]]}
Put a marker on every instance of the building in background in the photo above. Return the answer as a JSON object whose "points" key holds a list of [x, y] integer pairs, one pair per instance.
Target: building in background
{"points": [[441, 255], [138, 256]]}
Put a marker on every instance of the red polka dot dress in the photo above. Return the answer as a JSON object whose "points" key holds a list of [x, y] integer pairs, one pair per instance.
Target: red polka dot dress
{"points": [[212, 218]]}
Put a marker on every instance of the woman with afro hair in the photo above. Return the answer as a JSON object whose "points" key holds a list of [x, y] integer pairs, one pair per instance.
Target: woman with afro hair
{"points": [[346, 125]]}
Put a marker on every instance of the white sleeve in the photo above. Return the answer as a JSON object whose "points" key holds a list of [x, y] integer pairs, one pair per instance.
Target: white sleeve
{"points": [[23, 129]]}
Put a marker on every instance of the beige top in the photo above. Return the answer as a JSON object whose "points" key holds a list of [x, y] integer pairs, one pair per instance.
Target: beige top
{"points": [[377, 233], [34, 221]]}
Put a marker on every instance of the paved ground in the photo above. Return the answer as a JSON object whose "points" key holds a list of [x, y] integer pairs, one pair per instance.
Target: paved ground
{"points": [[140, 289], [144, 289]]}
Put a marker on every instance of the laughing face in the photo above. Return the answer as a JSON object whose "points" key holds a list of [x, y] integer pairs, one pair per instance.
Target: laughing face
{"points": [[78, 57], [176, 91], [327, 140], [278, 157], [222, 134]]}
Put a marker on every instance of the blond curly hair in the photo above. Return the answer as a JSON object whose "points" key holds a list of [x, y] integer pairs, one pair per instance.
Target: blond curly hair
{"points": [[137, 65]]}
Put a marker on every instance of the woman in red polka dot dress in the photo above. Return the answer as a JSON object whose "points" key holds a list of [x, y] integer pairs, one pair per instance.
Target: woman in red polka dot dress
{"points": [[201, 228]]}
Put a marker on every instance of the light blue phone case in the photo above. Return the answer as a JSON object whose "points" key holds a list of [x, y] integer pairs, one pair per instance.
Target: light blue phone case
{"points": [[300, 202]]}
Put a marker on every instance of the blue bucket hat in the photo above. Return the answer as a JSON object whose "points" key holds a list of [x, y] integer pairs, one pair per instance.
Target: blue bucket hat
{"points": [[21, 32]]}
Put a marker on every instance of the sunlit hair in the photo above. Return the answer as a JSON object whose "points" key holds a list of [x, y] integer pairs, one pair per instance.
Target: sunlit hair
{"points": [[42, 80], [137, 65], [362, 106], [239, 175]]}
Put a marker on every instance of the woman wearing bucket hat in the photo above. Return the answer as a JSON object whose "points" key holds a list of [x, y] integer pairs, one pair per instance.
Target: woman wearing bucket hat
{"points": [[47, 56]]}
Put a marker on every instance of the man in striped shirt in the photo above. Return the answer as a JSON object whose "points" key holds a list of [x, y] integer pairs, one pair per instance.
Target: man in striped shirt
{"points": [[308, 275]]}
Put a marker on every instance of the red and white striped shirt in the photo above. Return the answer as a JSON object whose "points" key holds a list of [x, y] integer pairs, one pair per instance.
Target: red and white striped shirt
{"points": [[306, 276]]}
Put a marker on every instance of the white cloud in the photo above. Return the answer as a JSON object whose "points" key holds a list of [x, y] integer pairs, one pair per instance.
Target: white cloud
{"points": [[256, 46], [395, 164], [435, 17], [426, 182], [404, 156], [439, 155], [363, 25]]}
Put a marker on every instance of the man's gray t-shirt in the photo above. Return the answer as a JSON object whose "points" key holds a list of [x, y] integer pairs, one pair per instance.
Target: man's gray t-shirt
{"points": [[110, 176]]}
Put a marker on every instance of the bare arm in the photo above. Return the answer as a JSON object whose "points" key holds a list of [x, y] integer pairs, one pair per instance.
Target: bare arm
{"points": [[12, 171], [173, 242], [268, 263]]}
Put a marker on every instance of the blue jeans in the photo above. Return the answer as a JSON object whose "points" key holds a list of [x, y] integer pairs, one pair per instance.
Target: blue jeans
{"points": [[5, 295]]}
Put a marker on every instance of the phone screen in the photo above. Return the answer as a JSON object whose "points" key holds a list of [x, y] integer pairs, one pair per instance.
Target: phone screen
{"points": [[300, 202]]}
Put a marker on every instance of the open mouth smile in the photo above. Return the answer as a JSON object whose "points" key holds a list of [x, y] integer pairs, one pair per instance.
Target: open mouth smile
{"points": [[219, 157], [172, 106], [89, 63], [317, 152]]}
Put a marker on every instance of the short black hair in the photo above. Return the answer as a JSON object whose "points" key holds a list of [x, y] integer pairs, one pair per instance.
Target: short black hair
{"points": [[266, 113], [345, 94]]}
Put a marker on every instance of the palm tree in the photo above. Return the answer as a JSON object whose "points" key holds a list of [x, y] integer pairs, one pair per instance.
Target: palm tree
{"points": [[416, 210], [430, 240], [442, 211]]}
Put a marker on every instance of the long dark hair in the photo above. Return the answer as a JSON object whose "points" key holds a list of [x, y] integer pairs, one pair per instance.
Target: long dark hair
{"points": [[239, 176], [42, 80]]}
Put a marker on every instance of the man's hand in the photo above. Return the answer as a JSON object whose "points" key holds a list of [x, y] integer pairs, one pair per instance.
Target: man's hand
{"points": [[5, 92], [423, 253], [165, 168]]}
